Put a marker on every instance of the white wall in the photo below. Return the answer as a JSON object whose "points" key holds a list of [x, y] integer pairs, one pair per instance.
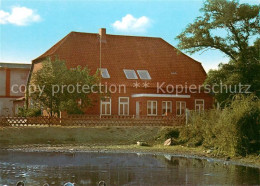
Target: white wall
{"points": [[6, 106], [18, 77]]}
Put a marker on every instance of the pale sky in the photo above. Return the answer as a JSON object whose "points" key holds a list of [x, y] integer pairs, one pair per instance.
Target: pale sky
{"points": [[30, 27]]}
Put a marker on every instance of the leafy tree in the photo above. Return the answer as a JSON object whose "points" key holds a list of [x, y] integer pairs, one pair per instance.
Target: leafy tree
{"points": [[228, 27], [225, 25], [57, 87]]}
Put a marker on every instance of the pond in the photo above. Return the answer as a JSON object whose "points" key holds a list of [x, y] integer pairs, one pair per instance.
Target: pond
{"points": [[81, 168]]}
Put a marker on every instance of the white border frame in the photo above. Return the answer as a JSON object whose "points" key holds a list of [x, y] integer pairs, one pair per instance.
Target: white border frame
{"points": [[123, 107], [152, 107]]}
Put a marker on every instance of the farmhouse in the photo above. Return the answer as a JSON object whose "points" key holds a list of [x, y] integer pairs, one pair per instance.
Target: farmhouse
{"points": [[13, 78], [157, 78]]}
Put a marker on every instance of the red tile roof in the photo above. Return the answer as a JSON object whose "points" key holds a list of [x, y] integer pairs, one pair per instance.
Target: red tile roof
{"points": [[157, 56]]}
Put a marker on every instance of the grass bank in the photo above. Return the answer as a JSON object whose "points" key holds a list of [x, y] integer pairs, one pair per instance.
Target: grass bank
{"points": [[11, 136], [111, 139]]}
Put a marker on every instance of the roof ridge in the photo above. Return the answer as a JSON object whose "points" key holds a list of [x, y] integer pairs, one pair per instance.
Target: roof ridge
{"points": [[178, 50], [55, 47], [117, 35]]}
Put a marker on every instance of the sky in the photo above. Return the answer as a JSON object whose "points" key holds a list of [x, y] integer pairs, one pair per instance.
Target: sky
{"points": [[30, 27]]}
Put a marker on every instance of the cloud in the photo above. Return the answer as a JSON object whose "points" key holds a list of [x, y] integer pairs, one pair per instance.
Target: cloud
{"points": [[20, 16], [131, 24]]}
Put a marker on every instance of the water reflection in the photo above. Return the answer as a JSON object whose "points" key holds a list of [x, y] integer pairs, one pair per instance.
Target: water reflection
{"points": [[118, 169]]}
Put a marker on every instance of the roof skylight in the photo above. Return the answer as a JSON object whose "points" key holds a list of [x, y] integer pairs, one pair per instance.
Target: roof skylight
{"points": [[143, 74], [104, 73], [130, 74]]}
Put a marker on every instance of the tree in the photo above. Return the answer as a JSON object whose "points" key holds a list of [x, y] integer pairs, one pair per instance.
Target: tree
{"points": [[60, 88], [232, 74], [225, 25], [229, 27]]}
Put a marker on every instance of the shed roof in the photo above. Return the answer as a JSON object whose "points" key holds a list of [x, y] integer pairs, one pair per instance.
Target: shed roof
{"points": [[15, 65]]}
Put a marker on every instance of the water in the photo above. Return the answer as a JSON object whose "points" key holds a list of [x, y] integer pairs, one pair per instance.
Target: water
{"points": [[36, 168]]}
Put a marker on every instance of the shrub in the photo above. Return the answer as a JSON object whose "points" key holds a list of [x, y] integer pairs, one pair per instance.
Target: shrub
{"points": [[71, 107], [30, 112], [172, 134], [241, 123], [232, 131]]}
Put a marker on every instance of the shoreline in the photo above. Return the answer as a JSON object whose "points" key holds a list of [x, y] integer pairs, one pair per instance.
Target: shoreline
{"points": [[184, 152]]}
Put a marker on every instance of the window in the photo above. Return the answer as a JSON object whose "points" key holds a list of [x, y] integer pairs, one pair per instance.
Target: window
{"points": [[105, 106], [143, 74], [123, 106], [180, 107], [151, 108], [199, 104], [166, 107], [130, 74], [104, 73]]}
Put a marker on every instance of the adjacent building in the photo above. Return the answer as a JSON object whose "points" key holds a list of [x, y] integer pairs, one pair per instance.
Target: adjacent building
{"points": [[145, 75], [13, 79]]}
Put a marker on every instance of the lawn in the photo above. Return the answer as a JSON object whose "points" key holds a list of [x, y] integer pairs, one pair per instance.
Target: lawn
{"points": [[10, 136]]}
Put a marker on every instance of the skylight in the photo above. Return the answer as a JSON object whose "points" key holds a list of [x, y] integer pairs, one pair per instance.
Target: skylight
{"points": [[130, 74], [104, 73], [143, 74]]}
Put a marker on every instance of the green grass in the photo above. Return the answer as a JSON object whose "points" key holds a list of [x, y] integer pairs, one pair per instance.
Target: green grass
{"points": [[81, 135], [115, 139]]}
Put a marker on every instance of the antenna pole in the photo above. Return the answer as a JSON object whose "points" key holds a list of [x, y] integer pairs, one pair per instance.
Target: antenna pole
{"points": [[100, 45]]}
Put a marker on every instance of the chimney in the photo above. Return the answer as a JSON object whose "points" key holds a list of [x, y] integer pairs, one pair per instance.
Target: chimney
{"points": [[102, 33]]}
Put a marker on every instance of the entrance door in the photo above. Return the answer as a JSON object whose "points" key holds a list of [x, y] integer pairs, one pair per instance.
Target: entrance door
{"points": [[137, 108]]}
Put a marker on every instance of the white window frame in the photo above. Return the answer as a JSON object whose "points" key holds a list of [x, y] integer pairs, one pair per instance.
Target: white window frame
{"points": [[106, 103], [129, 70], [196, 104], [152, 108], [105, 71], [140, 71], [123, 103], [180, 104], [166, 108]]}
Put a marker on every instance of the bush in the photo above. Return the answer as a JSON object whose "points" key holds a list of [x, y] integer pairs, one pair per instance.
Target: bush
{"points": [[71, 107], [172, 134], [232, 131], [30, 112]]}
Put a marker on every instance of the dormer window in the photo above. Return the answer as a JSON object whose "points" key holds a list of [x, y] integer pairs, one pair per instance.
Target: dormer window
{"points": [[130, 74], [144, 74], [104, 73]]}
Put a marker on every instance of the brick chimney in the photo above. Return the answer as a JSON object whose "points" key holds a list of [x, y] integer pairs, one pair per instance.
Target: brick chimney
{"points": [[102, 33]]}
